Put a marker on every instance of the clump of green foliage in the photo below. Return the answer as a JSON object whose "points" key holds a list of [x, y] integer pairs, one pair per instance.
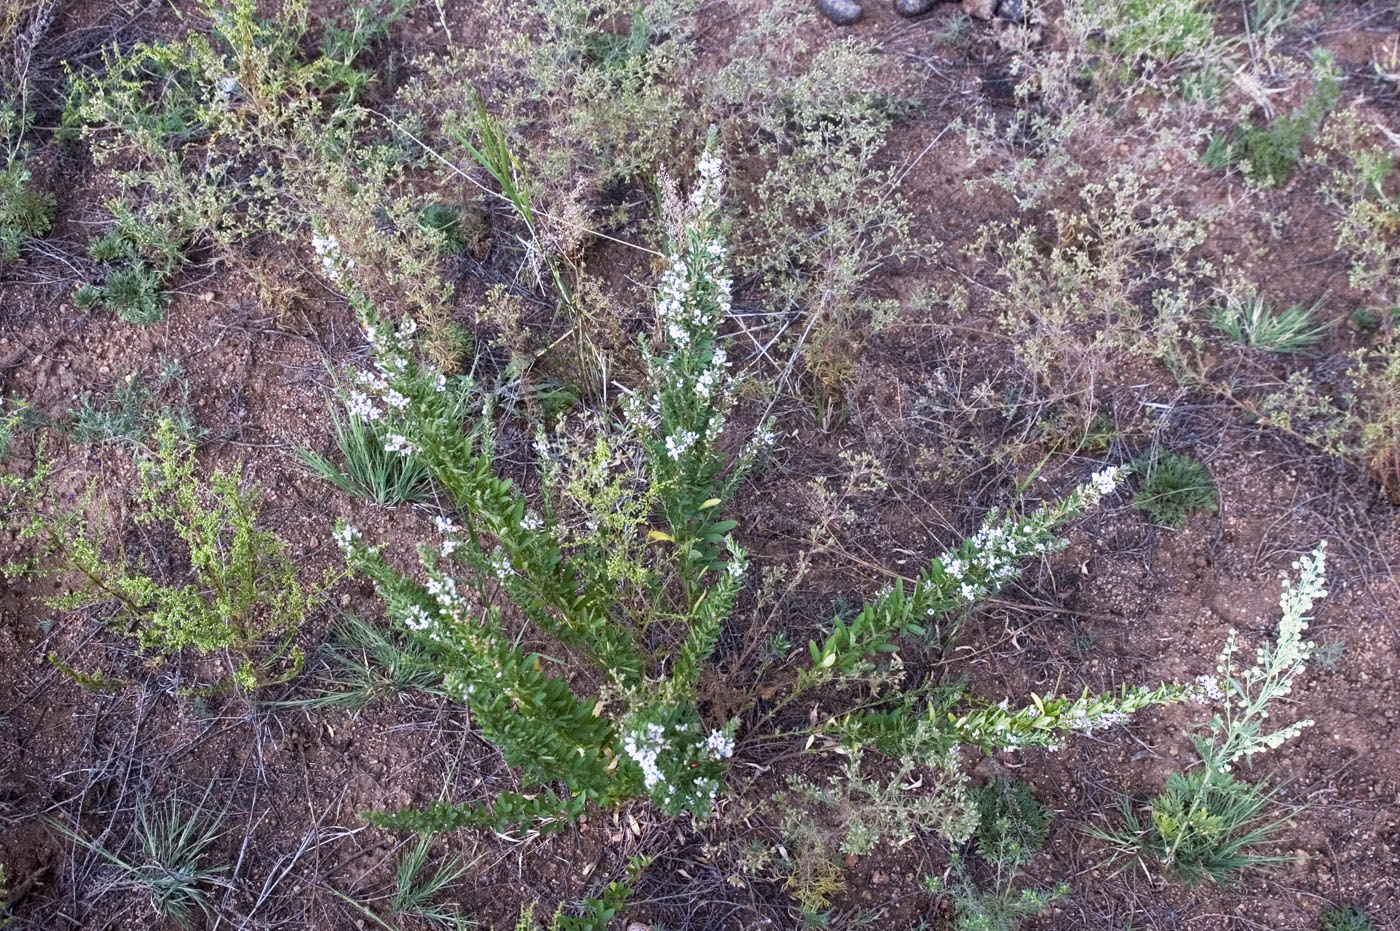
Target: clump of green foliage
{"points": [[1012, 826], [1155, 30], [1346, 918], [135, 409], [168, 862], [1172, 486], [1207, 824], [25, 210], [1250, 321], [362, 663], [244, 602], [1269, 154]]}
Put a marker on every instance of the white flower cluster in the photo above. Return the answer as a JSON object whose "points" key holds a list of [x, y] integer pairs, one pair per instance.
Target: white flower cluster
{"points": [[705, 384], [711, 172], [501, 565], [645, 748], [1101, 484], [678, 444], [333, 261], [392, 349], [993, 556], [415, 618], [346, 536], [1080, 720], [1208, 690], [720, 745], [398, 443]]}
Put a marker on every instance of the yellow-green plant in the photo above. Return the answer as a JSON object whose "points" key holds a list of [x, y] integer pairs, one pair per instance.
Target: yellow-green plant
{"points": [[243, 601]]}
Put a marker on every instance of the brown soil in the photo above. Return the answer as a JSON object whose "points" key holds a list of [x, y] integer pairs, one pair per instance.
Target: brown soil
{"points": [[1125, 603]]}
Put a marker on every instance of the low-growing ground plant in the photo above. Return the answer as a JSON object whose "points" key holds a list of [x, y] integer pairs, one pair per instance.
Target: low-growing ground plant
{"points": [[25, 211], [135, 409], [418, 889], [1012, 826], [243, 604], [1346, 918], [1270, 154], [166, 858], [1171, 486], [1250, 321], [1208, 824]]}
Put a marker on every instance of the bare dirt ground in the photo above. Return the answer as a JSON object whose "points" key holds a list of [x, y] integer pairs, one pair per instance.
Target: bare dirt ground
{"points": [[1126, 602]]}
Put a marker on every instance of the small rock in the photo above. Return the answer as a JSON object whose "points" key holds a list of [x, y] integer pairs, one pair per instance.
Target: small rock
{"points": [[979, 9], [912, 7], [841, 12], [1013, 11]]}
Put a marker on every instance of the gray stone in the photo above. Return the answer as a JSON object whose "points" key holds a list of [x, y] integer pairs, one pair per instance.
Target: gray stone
{"points": [[841, 12]]}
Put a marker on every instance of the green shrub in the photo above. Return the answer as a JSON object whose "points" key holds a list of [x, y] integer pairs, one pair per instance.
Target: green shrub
{"points": [[244, 603], [626, 560], [1172, 486], [24, 210]]}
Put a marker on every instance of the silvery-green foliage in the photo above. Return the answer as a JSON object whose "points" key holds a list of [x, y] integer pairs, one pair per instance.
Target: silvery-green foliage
{"points": [[1243, 696]]}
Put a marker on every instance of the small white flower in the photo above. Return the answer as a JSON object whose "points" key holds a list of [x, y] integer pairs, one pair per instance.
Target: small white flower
{"points": [[395, 399], [720, 745], [399, 444], [346, 535]]}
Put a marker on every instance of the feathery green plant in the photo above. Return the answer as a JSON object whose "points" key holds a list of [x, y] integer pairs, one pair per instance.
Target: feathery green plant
{"points": [[1173, 485], [1346, 918]]}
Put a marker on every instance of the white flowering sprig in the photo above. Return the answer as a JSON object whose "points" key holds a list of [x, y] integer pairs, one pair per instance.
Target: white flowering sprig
{"points": [[681, 415], [1048, 721], [678, 763], [1243, 696], [986, 561]]}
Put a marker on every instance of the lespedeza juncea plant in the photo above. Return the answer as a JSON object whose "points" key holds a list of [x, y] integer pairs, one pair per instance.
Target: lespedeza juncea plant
{"points": [[625, 560]]}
